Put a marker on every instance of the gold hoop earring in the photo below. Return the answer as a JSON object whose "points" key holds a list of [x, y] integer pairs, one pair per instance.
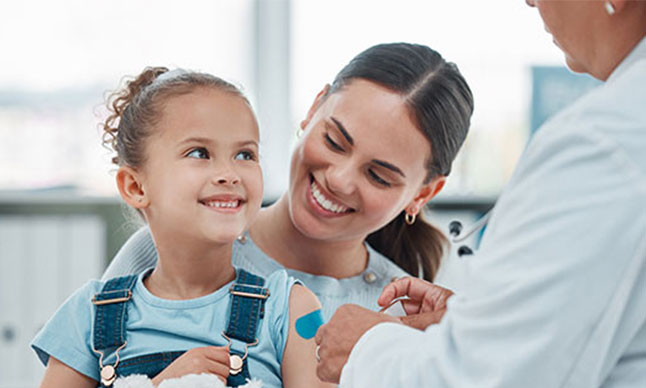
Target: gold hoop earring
{"points": [[410, 218], [610, 8]]}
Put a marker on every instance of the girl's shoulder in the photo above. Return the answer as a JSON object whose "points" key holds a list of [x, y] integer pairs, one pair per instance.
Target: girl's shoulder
{"points": [[280, 284], [66, 334]]}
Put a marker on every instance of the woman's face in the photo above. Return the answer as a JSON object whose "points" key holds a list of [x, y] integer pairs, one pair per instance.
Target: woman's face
{"points": [[360, 162], [571, 24]]}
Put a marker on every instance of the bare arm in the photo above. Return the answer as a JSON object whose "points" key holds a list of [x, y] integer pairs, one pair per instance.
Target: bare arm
{"points": [[59, 374], [299, 360]]}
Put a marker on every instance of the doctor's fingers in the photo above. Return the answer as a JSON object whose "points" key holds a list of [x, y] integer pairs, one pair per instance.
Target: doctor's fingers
{"points": [[423, 320], [427, 295], [320, 333]]}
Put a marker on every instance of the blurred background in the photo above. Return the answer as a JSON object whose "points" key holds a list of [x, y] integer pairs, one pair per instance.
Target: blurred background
{"points": [[61, 220]]}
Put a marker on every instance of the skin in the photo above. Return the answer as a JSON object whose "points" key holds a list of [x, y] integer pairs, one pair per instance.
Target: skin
{"points": [[593, 42], [349, 174], [203, 150]]}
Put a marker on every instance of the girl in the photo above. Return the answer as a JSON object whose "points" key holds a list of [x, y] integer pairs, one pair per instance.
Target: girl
{"points": [[187, 151]]}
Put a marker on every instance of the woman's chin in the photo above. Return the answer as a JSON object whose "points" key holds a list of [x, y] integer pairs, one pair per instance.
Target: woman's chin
{"points": [[574, 65]]}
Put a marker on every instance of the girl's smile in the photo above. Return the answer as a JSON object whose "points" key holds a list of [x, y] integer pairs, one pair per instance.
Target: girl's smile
{"points": [[224, 203]]}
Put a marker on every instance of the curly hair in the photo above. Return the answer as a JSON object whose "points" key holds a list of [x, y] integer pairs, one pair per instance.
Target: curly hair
{"points": [[136, 108]]}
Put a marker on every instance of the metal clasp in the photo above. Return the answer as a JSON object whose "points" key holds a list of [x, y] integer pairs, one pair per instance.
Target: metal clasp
{"points": [[249, 294], [109, 372], [113, 300], [235, 361]]}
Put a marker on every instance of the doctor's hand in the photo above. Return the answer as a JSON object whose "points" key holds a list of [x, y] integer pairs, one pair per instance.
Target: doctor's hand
{"points": [[426, 303], [336, 339]]}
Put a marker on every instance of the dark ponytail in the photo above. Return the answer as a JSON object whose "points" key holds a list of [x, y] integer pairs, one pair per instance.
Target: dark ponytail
{"points": [[441, 104]]}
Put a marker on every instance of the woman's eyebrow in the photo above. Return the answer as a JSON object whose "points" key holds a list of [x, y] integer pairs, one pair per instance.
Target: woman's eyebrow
{"points": [[343, 131], [389, 166]]}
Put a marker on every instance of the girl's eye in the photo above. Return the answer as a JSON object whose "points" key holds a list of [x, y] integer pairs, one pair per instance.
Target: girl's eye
{"points": [[198, 153], [332, 143], [376, 178], [245, 155]]}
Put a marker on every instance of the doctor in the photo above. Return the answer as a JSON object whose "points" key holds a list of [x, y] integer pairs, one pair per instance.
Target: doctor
{"points": [[556, 296]]}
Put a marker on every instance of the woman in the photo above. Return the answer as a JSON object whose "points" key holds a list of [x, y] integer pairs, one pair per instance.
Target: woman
{"points": [[557, 292], [376, 145]]}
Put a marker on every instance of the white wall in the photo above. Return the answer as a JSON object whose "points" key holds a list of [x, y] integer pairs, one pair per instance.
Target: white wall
{"points": [[43, 259]]}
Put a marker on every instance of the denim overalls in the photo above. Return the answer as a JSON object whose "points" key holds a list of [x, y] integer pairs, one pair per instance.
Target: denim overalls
{"points": [[246, 311]]}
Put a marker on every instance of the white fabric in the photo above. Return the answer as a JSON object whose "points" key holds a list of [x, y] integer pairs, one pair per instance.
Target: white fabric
{"points": [[188, 381], [556, 296]]}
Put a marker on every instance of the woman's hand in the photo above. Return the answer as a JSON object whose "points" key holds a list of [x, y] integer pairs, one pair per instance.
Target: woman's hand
{"points": [[207, 359], [426, 303]]}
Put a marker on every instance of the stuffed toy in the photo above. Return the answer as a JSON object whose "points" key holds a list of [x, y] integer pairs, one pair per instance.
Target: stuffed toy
{"points": [[189, 381]]}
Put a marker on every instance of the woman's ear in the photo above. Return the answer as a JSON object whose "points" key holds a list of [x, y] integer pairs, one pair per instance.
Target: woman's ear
{"points": [[315, 105], [618, 5], [425, 194], [131, 187]]}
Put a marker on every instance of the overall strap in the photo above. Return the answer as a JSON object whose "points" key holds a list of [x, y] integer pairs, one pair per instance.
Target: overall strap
{"points": [[247, 306], [248, 298], [111, 313]]}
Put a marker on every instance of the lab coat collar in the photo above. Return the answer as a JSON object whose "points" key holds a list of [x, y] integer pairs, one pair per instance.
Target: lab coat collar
{"points": [[638, 52]]}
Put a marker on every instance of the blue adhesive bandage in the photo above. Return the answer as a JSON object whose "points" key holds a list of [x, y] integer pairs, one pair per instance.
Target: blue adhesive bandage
{"points": [[308, 325]]}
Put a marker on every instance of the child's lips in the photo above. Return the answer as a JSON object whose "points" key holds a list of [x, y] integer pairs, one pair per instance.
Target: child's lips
{"points": [[223, 201]]}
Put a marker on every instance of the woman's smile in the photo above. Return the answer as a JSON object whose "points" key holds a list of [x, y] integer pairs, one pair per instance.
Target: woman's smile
{"points": [[324, 203]]}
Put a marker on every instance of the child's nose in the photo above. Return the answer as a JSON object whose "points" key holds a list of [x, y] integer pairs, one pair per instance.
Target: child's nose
{"points": [[226, 175]]}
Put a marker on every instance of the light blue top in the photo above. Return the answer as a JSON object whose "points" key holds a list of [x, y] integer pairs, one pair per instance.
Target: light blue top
{"points": [[158, 325], [556, 295], [364, 289]]}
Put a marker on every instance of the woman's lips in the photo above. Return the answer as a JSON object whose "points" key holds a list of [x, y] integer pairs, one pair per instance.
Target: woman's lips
{"points": [[323, 204]]}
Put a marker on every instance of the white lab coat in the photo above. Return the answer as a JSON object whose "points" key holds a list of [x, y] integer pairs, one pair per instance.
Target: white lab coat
{"points": [[556, 295]]}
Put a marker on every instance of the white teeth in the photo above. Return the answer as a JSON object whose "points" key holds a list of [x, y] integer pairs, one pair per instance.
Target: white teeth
{"points": [[223, 204], [326, 203]]}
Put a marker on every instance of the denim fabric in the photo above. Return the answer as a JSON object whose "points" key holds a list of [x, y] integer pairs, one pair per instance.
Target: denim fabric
{"points": [[110, 319], [246, 312], [110, 325], [244, 315], [150, 365]]}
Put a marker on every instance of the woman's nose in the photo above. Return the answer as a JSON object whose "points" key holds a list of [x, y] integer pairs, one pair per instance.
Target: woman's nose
{"points": [[340, 179]]}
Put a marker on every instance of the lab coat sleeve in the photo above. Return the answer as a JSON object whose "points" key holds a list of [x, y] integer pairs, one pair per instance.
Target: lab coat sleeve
{"points": [[550, 297]]}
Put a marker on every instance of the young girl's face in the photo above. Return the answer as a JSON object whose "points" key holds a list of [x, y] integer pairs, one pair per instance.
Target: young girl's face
{"points": [[201, 175]]}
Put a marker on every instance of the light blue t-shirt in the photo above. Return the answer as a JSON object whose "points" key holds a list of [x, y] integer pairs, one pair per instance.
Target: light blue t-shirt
{"points": [[160, 325], [364, 289]]}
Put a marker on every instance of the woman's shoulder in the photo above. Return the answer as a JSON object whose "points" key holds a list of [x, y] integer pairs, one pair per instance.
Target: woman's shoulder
{"points": [[382, 266], [248, 256]]}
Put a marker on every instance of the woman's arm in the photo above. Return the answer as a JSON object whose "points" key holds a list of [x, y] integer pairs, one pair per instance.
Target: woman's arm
{"points": [[58, 374], [299, 359]]}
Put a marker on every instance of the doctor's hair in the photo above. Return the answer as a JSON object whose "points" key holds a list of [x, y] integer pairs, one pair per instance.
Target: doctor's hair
{"points": [[440, 102], [137, 107]]}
